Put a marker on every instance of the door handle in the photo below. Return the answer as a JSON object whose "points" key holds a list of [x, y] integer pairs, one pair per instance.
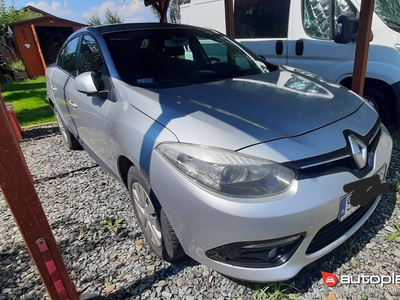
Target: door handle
{"points": [[279, 47], [72, 103], [299, 47], [53, 88]]}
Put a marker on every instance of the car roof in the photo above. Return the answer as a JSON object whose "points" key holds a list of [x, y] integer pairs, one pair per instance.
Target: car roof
{"points": [[137, 26]]}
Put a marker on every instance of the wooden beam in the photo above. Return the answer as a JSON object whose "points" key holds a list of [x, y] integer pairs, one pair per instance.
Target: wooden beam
{"points": [[362, 46], [39, 48], [19, 192], [229, 19]]}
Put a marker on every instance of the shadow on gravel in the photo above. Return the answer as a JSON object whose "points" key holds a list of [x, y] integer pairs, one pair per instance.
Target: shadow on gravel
{"points": [[12, 263], [142, 285], [65, 174], [85, 273], [40, 132]]}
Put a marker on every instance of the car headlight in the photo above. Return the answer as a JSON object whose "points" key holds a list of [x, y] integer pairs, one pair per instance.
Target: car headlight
{"points": [[228, 172]]}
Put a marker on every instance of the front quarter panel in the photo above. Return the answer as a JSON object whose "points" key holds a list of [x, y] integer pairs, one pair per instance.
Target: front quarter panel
{"points": [[132, 133]]}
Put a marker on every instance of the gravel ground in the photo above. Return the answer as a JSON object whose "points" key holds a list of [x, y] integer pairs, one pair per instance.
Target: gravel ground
{"points": [[78, 195]]}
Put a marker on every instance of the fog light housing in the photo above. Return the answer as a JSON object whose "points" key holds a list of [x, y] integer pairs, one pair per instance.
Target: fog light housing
{"points": [[259, 254]]}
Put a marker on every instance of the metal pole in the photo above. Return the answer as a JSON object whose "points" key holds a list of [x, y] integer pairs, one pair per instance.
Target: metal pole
{"points": [[362, 46], [19, 192]]}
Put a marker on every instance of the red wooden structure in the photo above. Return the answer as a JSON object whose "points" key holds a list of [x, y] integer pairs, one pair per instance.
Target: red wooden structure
{"points": [[39, 40]]}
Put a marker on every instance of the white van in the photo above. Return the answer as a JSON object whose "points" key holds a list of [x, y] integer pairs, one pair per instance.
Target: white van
{"points": [[300, 34]]}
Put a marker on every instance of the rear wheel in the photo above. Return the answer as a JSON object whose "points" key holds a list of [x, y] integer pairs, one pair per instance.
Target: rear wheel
{"points": [[70, 141], [151, 217]]}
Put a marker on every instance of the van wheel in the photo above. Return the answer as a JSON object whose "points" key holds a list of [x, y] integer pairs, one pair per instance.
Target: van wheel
{"points": [[69, 140], [380, 103], [152, 219]]}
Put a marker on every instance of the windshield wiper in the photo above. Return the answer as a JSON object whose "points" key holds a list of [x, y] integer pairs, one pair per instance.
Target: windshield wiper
{"points": [[392, 22]]}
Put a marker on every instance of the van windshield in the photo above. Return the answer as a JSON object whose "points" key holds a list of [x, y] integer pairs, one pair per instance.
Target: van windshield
{"points": [[389, 12]]}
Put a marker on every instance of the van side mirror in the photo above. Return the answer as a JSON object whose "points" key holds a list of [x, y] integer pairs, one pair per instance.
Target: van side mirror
{"points": [[346, 28]]}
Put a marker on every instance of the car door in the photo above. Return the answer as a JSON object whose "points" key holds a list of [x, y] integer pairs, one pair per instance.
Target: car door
{"points": [[89, 112], [311, 46], [262, 26], [61, 77]]}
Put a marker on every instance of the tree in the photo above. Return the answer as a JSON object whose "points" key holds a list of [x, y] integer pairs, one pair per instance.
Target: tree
{"points": [[94, 19], [160, 8], [174, 10], [111, 17], [10, 14]]}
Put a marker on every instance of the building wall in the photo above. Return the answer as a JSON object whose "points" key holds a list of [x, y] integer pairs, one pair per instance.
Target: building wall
{"points": [[25, 41]]}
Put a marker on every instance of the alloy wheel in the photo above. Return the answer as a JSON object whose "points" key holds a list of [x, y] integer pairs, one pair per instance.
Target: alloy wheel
{"points": [[146, 214]]}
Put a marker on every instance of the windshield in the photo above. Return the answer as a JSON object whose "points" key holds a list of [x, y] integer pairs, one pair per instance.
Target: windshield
{"points": [[167, 57], [389, 12]]}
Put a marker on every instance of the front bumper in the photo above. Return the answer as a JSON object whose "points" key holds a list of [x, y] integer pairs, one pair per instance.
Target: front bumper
{"points": [[203, 220]]}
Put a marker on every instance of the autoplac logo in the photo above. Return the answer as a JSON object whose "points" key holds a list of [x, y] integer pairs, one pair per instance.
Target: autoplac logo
{"points": [[330, 279]]}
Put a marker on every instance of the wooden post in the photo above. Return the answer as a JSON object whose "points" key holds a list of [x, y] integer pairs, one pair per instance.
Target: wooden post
{"points": [[19, 192], [362, 46], [229, 19], [39, 47]]}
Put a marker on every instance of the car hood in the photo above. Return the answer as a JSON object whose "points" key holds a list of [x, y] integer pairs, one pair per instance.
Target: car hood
{"points": [[235, 113]]}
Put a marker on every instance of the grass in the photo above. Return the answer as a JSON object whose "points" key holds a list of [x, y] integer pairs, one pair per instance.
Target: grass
{"points": [[28, 98], [274, 291], [393, 237]]}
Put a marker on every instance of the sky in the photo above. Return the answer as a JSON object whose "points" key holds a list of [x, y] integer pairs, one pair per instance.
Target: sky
{"points": [[78, 10]]}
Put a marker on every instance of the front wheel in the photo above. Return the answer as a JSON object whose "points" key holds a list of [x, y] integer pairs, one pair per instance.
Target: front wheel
{"points": [[70, 141], [152, 218]]}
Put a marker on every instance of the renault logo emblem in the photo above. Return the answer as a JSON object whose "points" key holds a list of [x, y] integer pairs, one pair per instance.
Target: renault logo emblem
{"points": [[359, 151]]}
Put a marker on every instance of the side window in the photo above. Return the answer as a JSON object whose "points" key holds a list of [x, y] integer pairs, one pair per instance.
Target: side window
{"points": [[261, 18], [89, 56], [67, 57], [317, 16]]}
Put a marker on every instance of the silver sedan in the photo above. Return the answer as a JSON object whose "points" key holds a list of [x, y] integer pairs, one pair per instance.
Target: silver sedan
{"points": [[252, 169]]}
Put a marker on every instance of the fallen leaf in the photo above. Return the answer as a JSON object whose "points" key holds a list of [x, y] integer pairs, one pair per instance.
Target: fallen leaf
{"points": [[109, 288], [139, 244], [81, 234], [331, 297]]}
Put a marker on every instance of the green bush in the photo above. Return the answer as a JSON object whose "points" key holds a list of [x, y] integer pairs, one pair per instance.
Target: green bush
{"points": [[17, 66]]}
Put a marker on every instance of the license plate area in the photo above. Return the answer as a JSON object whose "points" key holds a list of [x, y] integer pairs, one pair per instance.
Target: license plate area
{"points": [[345, 207]]}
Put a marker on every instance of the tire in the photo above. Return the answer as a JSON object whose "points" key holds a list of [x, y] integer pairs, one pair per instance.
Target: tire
{"points": [[381, 104], [8, 79], [151, 217], [69, 140]]}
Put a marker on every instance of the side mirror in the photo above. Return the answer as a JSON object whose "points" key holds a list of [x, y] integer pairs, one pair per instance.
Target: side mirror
{"points": [[90, 83], [346, 28]]}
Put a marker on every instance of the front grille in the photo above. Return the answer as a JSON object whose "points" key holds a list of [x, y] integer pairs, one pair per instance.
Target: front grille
{"points": [[340, 160], [335, 229]]}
